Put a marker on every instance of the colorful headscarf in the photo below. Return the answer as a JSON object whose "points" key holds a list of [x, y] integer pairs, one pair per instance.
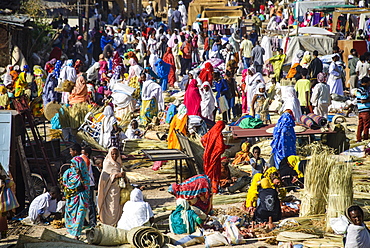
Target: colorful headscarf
{"points": [[321, 77], [58, 66]]}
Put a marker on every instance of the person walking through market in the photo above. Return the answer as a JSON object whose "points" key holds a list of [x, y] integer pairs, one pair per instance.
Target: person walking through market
{"points": [[320, 98], [109, 191], [76, 184], [335, 77], [257, 57], [246, 47], [352, 63], [277, 62], [303, 88], [214, 146], [363, 105]]}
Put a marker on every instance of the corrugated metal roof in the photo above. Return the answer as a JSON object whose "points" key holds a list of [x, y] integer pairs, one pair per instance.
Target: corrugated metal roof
{"points": [[17, 20]]}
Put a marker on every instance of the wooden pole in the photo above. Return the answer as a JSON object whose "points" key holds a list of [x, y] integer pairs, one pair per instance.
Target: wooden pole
{"points": [[26, 172]]}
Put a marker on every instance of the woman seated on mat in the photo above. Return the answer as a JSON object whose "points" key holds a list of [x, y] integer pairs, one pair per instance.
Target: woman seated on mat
{"points": [[291, 171], [136, 212], [274, 179], [197, 191], [243, 156], [184, 219], [229, 183], [268, 204]]}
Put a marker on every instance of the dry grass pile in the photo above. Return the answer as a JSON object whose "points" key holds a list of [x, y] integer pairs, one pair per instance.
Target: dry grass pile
{"points": [[314, 196], [340, 194], [73, 116]]}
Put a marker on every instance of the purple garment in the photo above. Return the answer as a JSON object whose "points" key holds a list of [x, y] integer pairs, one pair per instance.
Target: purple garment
{"points": [[315, 19]]}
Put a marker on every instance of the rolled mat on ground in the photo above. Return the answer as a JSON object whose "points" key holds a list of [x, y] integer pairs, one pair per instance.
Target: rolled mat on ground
{"points": [[140, 237], [306, 120], [319, 120]]}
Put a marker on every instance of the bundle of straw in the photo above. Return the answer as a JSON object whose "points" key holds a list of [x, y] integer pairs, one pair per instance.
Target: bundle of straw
{"points": [[73, 116], [314, 196], [340, 195]]}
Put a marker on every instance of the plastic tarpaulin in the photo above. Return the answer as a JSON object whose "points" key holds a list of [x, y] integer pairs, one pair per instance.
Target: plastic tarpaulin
{"points": [[323, 44], [302, 7], [312, 30]]}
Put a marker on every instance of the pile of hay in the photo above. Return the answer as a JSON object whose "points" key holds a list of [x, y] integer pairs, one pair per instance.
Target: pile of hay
{"points": [[340, 195], [314, 196], [73, 116]]}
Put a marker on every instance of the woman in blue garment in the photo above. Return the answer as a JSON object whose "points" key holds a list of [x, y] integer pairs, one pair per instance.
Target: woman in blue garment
{"points": [[49, 94], [222, 89], [284, 138], [163, 69]]}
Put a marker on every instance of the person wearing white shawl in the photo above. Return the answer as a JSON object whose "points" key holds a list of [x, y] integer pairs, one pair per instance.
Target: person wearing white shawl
{"points": [[8, 80], [251, 81], [134, 70], [68, 72], [136, 212], [109, 123], [208, 103], [152, 100], [291, 102], [357, 234], [184, 14]]}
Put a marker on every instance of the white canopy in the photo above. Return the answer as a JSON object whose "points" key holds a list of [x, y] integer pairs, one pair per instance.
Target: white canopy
{"points": [[311, 30]]}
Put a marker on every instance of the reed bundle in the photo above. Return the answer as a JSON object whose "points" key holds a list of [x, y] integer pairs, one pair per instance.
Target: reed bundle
{"points": [[73, 116], [340, 194], [314, 195]]}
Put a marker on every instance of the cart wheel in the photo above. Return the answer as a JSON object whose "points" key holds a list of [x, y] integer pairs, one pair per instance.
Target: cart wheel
{"points": [[38, 183]]}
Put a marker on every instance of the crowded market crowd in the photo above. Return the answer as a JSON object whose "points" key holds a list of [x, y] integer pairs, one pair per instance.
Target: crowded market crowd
{"points": [[130, 65]]}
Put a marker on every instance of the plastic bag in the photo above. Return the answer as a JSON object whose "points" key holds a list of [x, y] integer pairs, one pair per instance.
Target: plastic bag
{"points": [[339, 225], [223, 104], [232, 233], [215, 239], [240, 67]]}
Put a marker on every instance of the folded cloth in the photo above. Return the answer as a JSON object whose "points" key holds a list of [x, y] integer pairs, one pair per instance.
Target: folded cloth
{"points": [[251, 123]]}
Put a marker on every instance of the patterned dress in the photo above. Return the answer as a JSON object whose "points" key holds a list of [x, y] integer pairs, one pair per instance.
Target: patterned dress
{"points": [[76, 182]]}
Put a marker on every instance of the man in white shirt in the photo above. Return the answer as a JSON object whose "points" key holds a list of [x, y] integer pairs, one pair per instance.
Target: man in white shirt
{"points": [[362, 68], [44, 205]]}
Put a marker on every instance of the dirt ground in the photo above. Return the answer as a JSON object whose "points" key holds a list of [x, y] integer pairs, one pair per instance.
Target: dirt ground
{"points": [[155, 192]]}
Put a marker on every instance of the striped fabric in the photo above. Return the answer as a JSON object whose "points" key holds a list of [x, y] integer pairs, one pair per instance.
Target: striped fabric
{"points": [[319, 120], [306, 120]]}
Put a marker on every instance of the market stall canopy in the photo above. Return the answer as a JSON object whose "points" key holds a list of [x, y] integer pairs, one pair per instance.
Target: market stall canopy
{"points": [[301, 7], [323, 44], [197, 6], [311, 30], [225, 15], [351, 11]]}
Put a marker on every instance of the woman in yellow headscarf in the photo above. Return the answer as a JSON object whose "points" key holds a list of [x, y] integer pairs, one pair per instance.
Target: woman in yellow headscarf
{"points": [[273, 178], [294, 162], [126, 36], [4, 99], [40, 78], [243, 156]]}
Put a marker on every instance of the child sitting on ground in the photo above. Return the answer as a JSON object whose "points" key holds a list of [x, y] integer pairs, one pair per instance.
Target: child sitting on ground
{"points": [[133, 131]]}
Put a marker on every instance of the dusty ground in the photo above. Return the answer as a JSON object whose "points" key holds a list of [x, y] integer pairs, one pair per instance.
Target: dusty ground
{"points": [[155, 192]]}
